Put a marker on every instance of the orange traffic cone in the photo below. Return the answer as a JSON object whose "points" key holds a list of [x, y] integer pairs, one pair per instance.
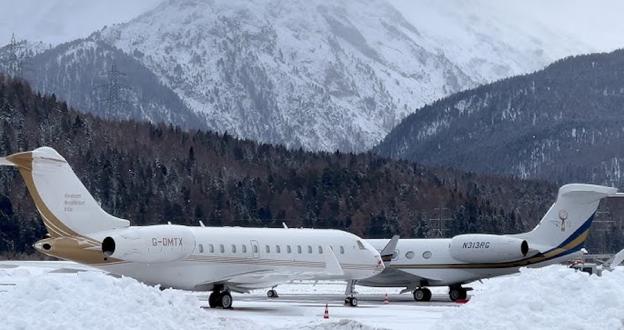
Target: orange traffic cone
{"points": [[386, 301], [326, 315]]}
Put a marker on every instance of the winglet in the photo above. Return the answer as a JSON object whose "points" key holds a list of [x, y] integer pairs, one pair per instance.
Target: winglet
{"points": [[332, 266], [388, 251]]}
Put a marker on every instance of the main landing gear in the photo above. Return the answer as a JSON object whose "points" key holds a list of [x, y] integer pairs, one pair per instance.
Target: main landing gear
{"points": [[350, 298], [457, 292], [422, 294], [272, 293], [220, 297]]}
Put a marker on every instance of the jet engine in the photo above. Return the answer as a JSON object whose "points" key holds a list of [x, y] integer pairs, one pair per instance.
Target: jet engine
{"points": [[150, 244], [484, 248]]}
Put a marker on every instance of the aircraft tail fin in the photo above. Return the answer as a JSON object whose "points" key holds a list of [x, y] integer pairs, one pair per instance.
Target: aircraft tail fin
{"points": [[567, 222], [65, 205]]}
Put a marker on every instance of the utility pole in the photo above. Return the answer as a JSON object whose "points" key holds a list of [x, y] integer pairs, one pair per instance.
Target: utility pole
{"points": [[437, 225]]}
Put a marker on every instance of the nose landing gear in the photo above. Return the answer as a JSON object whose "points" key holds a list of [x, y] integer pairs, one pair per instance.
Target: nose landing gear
{"points": [[350, 298], [272, 293]]}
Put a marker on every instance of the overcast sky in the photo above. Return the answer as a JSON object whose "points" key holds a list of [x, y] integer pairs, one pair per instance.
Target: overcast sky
{"points": [[596, 22], [57, 21]]}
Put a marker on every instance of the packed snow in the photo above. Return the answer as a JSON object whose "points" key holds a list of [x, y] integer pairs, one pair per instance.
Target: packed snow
{"points": [[69, 296], [544, 298]]}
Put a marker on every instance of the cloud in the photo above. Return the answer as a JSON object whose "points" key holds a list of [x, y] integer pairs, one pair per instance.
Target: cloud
{"points": [[57, 21]]}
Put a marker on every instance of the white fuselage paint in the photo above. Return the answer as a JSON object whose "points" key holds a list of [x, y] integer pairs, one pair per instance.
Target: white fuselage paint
{"points": [[438, 250], [302, 254]]}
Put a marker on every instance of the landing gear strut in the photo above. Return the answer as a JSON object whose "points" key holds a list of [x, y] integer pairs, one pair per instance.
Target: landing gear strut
{"points": [[457, 293], [272, 293], [422, 294], [220, 297], [350, 298]]}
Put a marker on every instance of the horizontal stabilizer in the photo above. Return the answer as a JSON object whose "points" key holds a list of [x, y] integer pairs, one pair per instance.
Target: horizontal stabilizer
{"points": [[5, 162]]}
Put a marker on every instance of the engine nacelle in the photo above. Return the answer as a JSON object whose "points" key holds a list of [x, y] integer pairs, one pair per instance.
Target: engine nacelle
{"points": [[484, 248], [150, 244]]}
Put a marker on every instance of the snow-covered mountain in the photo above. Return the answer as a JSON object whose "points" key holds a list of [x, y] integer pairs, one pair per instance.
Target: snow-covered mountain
{"points": [[96, 78], [328, 75], [317, 74], [490, 40], [564, 124]]}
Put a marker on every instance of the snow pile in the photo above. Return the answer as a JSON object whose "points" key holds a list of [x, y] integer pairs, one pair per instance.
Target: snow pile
{"points": [[546, 298], [91, 300], [39, 299]]}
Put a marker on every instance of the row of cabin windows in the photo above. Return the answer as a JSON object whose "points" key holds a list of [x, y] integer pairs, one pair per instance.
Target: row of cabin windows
{"points": [[267, 248]]}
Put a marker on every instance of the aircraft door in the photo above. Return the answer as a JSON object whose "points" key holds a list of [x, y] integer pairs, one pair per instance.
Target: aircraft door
{"points": [[255, 249]]}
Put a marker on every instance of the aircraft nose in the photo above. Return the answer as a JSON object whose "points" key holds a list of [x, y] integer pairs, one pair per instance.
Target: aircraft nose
{"points": [[378, 262]]}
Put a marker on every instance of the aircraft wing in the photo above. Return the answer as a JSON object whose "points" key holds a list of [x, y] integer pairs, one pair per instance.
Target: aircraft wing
{"points": [[615, 260], [263, 278]]}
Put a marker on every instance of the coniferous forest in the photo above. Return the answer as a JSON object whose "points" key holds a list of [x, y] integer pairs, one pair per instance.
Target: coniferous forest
{"points": [[152, 174]]}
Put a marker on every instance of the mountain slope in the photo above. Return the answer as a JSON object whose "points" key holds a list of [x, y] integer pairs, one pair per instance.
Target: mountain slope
{"points": [[564, 123], [97, 78], [133, 170], [491, 40], [315, 74]]}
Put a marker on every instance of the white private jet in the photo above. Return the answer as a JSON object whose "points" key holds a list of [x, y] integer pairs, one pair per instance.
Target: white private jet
{"points": [[190, 258], [559, 237]]}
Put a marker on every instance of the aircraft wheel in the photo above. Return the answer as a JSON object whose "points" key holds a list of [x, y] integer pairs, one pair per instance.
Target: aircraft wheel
{"points": [[272, 294], [457, 293], [422, 294], [352, 301], [225, 300], [213, 299]]}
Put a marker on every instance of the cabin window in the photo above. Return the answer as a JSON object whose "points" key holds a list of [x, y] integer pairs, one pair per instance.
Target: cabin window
{"points": [[309, 248], [288, 249], [210, 248], [278, 249], [299, 249], [244, 248], [222, 248], [426, 254], [233, 248], [409, 255], [255, 249], [267, 249], [201, 248], [341, 249], [320, 249], [360, 245]]}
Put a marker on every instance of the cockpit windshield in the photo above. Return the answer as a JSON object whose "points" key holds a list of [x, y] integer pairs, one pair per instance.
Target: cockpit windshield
{"points": [[361, 245]]}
